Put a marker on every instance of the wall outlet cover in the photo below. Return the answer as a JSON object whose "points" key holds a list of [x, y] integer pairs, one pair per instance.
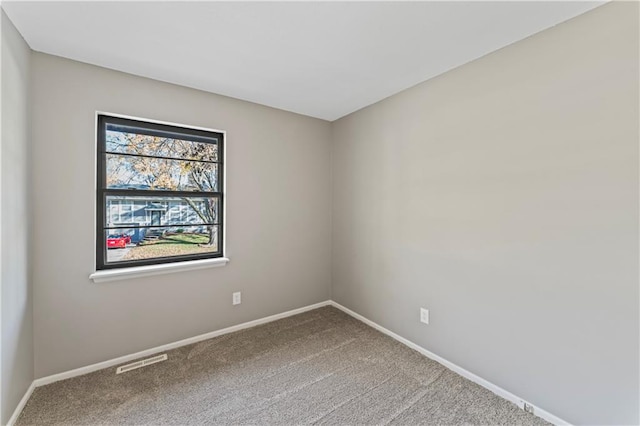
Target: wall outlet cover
{"points": [[424, 315]]}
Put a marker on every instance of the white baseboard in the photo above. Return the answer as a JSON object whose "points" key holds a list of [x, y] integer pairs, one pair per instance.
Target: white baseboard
{"points": [[545, 415], [126, 358], [21, 404]]}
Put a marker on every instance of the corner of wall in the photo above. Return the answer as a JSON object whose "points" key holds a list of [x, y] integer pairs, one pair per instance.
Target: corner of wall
{"points": [[16, 290]]}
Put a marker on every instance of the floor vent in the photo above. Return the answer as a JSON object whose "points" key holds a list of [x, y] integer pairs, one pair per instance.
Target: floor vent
{"points": [[143, 363]]}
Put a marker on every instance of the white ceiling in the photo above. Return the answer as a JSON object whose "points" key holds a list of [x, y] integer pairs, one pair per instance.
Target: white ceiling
{"points": [[323, 59]]}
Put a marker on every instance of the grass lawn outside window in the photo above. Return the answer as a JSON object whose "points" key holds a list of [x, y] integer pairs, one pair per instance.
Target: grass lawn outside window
{"points": [[171, 244]]}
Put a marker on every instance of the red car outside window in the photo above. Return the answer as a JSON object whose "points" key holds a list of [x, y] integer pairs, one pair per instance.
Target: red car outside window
{"points": [[118, 241]]}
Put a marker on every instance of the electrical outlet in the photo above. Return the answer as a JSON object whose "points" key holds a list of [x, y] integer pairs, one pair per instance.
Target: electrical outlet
{"points": [[528, 407], [237, 298], [424, 315]]}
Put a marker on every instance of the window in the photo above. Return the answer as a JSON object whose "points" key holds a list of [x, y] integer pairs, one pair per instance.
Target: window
{"points": [[159, 193]]}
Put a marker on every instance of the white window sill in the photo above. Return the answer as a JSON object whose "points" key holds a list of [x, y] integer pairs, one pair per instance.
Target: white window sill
{"points": [[147, 271]]}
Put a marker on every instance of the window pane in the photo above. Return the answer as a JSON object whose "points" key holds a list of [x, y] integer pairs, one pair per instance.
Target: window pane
{"points": [[149, 243], [127, 172], [163, 211], [122, 139]]}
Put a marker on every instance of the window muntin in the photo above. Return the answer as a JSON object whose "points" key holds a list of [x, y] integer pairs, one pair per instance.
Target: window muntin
{"points": [[159, 193]]}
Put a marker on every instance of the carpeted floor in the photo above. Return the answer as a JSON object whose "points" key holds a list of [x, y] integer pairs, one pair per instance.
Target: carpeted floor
{"points": [[320, 367]]}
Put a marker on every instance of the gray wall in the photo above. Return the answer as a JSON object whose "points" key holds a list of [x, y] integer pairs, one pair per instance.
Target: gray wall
{"points": [[278, 218], [503, 196], [17, 324]]}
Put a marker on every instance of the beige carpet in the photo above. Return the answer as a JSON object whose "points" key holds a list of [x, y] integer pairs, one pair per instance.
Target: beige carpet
{"points": [[320, 367]]}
